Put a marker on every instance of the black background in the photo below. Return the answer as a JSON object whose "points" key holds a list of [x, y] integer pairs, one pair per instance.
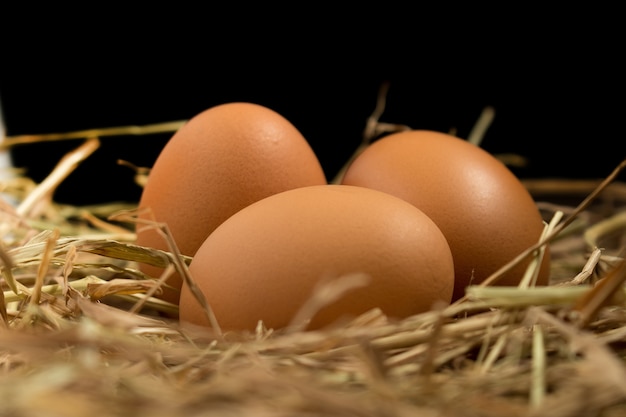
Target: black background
{"points": [[558, 102]]}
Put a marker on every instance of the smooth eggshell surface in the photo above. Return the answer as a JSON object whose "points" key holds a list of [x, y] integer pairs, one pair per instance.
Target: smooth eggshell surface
{"points": [[481, 207], [219, 162], [265, 261]]}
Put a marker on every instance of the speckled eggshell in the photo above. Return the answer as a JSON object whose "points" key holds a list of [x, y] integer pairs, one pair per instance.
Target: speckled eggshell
{"points": [[219, 162], [264, 262], [481, 207]]}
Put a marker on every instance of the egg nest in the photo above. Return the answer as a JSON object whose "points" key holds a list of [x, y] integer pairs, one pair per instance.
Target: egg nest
{"points": [[81, 334]]}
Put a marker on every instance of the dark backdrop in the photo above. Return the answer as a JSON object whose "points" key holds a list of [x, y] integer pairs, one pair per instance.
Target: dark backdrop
{"points": [[553, 108]]}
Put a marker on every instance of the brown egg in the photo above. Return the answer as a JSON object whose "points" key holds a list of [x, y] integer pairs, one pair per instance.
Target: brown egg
{"points": [[484, 211], [222, 160], [265, 261]]}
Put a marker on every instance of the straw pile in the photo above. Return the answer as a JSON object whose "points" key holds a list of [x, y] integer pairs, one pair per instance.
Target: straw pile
{"points": [[80, 334]]}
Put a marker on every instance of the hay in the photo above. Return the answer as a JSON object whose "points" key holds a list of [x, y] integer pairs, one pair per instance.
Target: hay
{"points": [[81, 334]]}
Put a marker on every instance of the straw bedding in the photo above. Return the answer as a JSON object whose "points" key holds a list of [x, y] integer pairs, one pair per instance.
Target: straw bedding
{"points": [[81, 335]]}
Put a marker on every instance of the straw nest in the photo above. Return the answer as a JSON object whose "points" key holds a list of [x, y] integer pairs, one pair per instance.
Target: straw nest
{"points": [[81, 334]]}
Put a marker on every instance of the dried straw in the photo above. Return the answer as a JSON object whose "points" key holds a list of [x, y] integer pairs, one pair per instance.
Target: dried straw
{"points": [[82, 333]]}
